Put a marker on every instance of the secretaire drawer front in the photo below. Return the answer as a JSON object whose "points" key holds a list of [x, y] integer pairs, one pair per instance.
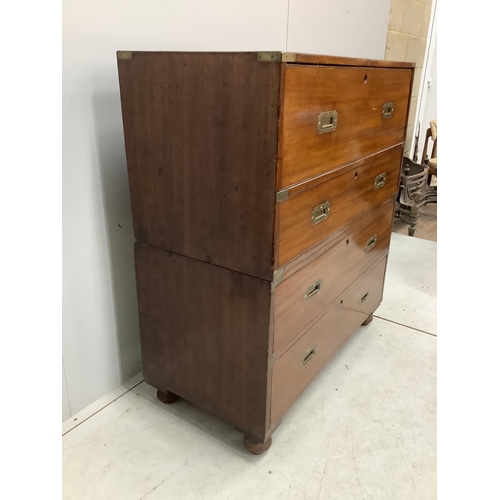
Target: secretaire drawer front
{"points": [[311, 215], [303, 297], [298, 366], [336, 115]]}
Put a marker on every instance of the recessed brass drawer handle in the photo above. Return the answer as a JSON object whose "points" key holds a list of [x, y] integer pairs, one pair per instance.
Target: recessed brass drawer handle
{"points": [[313, 290], [308, 356], [320, 213], [371, 243], [327, 121], [364, 297], [387, 110], [379, 181]]}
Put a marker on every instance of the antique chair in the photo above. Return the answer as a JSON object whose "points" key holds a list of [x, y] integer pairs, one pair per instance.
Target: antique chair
{"points": [[414, 192], [432, 162]]}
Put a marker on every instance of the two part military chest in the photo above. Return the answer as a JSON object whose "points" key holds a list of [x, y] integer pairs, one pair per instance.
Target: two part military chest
{"points": [[262, 188]]}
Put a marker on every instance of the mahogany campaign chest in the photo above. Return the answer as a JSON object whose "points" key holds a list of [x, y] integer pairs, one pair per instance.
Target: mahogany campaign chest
{"points": [[262, 188]]}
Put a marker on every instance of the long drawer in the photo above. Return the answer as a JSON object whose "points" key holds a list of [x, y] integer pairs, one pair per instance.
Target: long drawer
{"points": [[307, 217], [298, 366], [336, 115], [300, 299]]}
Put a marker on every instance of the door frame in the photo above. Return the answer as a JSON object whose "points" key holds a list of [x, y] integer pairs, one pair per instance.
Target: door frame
{"points": [[425, 81]]}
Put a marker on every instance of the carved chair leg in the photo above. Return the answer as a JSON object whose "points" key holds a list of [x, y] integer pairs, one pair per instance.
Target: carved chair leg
{"points": [[167, 397], [413, 220], [255, 447]]}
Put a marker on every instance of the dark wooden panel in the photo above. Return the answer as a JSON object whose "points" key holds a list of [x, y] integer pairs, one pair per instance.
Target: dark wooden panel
{"points": [[358, 95], [205, 335], [338, 267], [201, 144], [344, 61], [289, 377], [350, 191]]}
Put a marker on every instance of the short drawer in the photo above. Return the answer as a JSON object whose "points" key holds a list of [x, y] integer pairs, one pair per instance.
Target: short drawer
{"points": [[309, 216], [303, 297], [335, 115], [298, 366]]}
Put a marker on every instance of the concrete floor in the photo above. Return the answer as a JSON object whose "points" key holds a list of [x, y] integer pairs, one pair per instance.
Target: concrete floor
{"points": [[426, 225], [365, 429]]}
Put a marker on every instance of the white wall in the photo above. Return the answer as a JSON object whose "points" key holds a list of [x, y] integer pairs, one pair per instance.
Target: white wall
{"points": [[429, 106], [351, 28], [427, 97], [100, 325]]}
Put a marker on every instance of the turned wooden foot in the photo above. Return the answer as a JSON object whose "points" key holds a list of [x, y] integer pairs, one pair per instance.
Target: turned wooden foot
{"points": [[167, 397], [256, 448], [368, 320]]}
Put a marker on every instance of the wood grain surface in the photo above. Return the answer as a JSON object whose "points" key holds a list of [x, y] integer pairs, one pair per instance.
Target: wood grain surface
{"points": [[358, 95], [338, 267], [350, 191], [205, 335], [201, 145], [289, 377], [345, 61]]}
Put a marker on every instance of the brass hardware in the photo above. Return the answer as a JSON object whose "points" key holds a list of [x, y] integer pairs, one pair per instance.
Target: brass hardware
{"points": [[320, 213], [313, 290], [276, 56], [124, 54], [327, 121], [379, 181], [371, 243], [277, 277], [364, 297], [387, 110], [281, 195], [288, 56], [269, 56], [308, 356]]}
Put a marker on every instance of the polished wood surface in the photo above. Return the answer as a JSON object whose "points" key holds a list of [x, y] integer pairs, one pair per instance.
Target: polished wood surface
{"points": [[256, 447], [222, 267], [368, 320], [200, 137], [205, 335], [167, 397], [350, 191], [358, 96], [337, 267], [290, 376], [343, 61]]}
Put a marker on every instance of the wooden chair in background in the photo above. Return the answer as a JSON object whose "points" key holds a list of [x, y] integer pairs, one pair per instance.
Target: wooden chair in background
{"points": [[431, 162]]}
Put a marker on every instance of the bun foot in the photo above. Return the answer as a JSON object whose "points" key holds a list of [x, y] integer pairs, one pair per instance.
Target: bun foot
{"points": [[256, 448], [167, 397], [368, 320]]}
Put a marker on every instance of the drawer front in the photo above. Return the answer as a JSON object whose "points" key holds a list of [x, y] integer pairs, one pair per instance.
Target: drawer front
{"points": [[303, 297], [298, 367], [303, 218], [313, 141]]}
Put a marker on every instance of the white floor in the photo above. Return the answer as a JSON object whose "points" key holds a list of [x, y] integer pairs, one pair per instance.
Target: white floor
{"points": [[365, 429]]}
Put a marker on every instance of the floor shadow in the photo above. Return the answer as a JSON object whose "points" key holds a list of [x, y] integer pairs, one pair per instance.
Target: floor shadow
{"points": [[116, 200]]}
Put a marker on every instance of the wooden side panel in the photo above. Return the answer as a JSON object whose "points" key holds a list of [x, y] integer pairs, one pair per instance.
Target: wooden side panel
{"points": [[205, 335], [201, 143], [337, 268], [350, 191], [290, 376], [358, 96]]}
